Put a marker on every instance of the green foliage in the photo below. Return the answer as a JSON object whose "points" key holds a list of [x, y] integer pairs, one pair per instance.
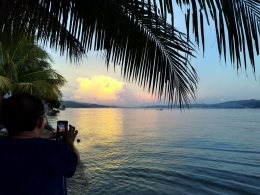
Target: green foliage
{"points": [[25, 68]]}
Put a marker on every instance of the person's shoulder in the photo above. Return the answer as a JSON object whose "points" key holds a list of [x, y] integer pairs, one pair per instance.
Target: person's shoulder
{"points": [[3, 137], [55, 143], [49, 141]]}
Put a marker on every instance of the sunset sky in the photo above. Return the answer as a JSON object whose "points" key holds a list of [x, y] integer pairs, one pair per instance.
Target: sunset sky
{"points": [[91, 82]]}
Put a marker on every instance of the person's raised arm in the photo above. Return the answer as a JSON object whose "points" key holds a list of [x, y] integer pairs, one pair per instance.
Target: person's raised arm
{"points": [[69, 138]]}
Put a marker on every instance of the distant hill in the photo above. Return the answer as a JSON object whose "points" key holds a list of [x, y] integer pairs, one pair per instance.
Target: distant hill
{"points": [[230, 104], [72, 104], [238, 104]]}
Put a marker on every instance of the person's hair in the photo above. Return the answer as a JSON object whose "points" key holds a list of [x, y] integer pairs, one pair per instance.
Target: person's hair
{"points": [[21, 112]]}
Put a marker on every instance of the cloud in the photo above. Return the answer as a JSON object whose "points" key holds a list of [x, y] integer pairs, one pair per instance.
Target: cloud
{"points": [[101, 89], [98, 89], [134, 97]]}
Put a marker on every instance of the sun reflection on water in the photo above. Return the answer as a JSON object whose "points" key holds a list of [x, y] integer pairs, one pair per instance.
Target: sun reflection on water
{"points": [[136, 150], [95, 128]]}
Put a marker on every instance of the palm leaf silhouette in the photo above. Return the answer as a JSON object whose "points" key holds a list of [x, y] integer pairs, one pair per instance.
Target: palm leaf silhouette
{"points": [[135, 34]]}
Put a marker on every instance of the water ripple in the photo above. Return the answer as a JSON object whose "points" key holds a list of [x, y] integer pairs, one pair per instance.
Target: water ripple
{"points": [[196, 152]]}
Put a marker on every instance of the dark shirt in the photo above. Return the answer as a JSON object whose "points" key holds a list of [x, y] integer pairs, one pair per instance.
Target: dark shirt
{"points": [[35, 166]]}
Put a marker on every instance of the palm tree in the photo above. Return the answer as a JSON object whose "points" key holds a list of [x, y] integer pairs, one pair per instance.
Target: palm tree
{"points": [[136, 35], [25, 68]]}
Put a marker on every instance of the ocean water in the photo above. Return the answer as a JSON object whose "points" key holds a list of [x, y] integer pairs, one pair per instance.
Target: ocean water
{"points": [[149, 151]]}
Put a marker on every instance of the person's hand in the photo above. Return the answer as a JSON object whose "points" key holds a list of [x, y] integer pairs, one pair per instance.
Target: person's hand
{"points": [[48, 135], [69, 135]]}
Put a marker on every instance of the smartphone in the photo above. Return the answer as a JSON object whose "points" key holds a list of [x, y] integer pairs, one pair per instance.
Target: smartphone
{"points": [[61, 127]]}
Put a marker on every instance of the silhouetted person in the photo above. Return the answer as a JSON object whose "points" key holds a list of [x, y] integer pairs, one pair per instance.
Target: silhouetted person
{"points": [[29, 164]]}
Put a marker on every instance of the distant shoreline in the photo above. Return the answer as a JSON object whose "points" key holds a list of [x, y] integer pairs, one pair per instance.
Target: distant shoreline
{"points": [[240, 104], [163, 108]]}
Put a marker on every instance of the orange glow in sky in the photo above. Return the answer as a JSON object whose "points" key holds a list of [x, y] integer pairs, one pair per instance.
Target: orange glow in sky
{"points": [[98, 88]]}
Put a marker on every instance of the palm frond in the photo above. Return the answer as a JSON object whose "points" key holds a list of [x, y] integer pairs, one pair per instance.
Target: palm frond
{"points": [[45, 84], [9, 71], [135, 34], [29, 69], [32, 55], [47, 75], [5, 85], [237, 25], [22, 88], [132, 33], [40, 88], [157, 60]]}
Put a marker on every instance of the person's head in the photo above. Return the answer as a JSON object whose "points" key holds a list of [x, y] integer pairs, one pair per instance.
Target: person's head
{"points": [[22, 112]]}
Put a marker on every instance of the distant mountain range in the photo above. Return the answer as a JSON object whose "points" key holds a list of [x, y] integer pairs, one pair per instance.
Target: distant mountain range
{"points": [[230, 104], [72, 104]]}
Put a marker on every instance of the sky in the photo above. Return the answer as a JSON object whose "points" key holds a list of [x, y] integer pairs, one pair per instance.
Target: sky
{"points": [[91, 81]]}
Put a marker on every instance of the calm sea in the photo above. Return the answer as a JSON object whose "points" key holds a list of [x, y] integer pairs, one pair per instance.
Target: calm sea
{"points": [[149, 151]]}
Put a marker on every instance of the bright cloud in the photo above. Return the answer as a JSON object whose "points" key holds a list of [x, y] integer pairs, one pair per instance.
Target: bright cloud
{"points": [[101, 89], [98, 89]]}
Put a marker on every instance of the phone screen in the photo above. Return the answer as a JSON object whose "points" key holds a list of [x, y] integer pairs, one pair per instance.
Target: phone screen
{"points": [[61, 127]]}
